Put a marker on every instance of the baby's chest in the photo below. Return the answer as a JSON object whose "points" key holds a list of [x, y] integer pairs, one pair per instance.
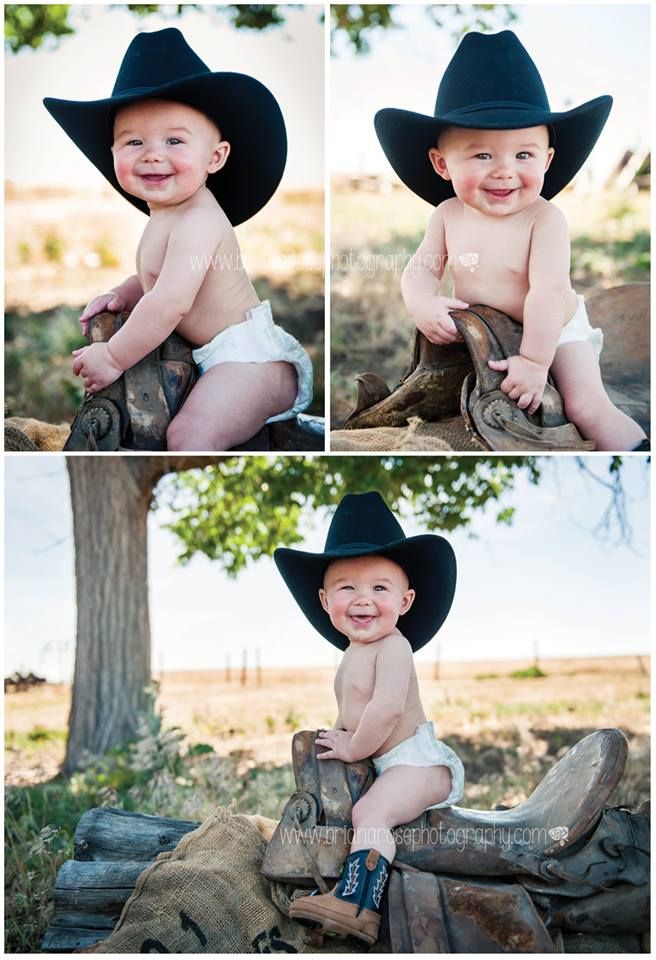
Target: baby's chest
{"points": [[355, 681], [496, 256]]}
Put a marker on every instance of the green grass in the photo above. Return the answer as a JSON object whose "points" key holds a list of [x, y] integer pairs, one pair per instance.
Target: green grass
{"points": [[529, 673], [586, 708], [39, 380], [158, 773]]}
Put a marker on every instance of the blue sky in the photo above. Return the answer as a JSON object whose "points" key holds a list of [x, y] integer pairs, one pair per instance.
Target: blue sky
{"points": [[582, 51], [545, 580]]}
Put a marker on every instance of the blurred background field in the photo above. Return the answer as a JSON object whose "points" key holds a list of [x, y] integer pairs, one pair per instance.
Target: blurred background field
{"points": [[508, 723], [63, 247], [378, 225]]}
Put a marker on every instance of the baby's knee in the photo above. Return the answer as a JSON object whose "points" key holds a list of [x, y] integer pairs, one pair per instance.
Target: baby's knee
{"points": [[585, 407]]}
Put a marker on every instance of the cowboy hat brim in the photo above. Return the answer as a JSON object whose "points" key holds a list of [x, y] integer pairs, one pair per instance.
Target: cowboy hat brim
{"points": [[246, 113], [406, 138], [428, 561]]}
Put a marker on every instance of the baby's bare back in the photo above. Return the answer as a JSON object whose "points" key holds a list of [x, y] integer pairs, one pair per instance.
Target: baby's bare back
{"points": [[355, 683], [489, 257], [225, 293]]}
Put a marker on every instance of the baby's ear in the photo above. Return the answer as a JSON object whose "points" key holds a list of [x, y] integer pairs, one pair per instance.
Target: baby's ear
{"points": [[550, 156], [408, 600], [438, 163], [219, 156], [323, 598]]}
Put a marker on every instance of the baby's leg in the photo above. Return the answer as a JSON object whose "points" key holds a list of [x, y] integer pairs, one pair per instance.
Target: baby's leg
{"points": [[230, 403], [576, 371], [397, 796]]}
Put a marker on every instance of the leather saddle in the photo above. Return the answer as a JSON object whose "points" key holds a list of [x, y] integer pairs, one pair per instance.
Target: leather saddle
{"points": [[446, 380], [539, 841], [133, 412], [495, 420]]}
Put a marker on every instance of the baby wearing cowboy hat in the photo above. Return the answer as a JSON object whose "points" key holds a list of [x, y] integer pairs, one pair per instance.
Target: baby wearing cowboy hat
{"points": [[489, 160], [200, 152], [378, 595]]}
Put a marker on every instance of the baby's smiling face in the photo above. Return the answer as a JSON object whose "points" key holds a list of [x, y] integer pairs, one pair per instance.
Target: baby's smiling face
{"points": [[163, 151], [365, 596], [496, 172]]}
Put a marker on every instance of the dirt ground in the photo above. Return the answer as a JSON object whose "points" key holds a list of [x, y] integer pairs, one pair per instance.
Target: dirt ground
{"points": [[470, 702]]}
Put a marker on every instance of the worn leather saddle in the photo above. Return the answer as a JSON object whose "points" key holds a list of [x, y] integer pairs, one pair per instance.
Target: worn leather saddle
{"points": [[490, 415], [445, 380], [133, 412], [563, 844]]}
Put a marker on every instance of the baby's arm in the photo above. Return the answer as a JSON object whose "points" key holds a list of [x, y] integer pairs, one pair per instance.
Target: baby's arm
{"points": [[420, 285], [544, 311], [123, 297], [393, 669], [191, 246]]}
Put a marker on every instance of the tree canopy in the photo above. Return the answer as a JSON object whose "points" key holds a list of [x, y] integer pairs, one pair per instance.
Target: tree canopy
{"points": [[33, 25], [245, 507]]}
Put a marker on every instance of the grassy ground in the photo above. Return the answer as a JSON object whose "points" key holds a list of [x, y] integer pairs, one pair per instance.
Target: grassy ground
{"points": [[509, 730], [64, 248], [374, 235]]}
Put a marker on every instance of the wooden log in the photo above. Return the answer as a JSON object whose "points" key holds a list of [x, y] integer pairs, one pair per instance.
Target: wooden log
{"points": [[107, 834], [94, 887], [112, 847]]}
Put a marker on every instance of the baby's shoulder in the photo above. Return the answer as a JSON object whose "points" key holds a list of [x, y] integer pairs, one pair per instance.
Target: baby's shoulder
{"points": [[545, 212], [448, 209], [204, 209], [396, 644]]}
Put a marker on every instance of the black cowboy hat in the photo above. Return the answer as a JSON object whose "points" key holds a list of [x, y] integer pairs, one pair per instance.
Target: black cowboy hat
{"points": [[162, 65], [491, 83], [363, 525]]}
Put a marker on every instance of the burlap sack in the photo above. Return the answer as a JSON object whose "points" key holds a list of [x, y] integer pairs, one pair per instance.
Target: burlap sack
{"points": [[419, 435], [208, 896]]}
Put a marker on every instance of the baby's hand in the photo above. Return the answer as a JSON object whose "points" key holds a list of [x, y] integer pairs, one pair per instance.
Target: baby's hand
{"points": [[105, 301], [94, 364], [433, 319], [525, 381], [338, 743]]}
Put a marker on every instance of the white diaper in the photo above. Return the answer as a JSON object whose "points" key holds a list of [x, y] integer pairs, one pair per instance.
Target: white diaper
{"points": [[579, 328], [424, 750], [258, 340]]}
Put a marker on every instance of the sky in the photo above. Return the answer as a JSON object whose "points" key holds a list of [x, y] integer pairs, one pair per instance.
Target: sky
{"points": [[581, 51], [546, 580], [288, 60]]}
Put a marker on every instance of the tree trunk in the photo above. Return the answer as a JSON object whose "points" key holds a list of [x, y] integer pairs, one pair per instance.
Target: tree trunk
{"points": [[110, 498]]}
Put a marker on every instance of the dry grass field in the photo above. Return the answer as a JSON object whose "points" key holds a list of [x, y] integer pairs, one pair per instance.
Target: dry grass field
{"points": [[497, 721]]}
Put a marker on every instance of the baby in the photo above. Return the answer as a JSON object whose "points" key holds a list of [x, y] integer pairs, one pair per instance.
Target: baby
{"points": [[377, 595], [160, 140], [499, 154]]}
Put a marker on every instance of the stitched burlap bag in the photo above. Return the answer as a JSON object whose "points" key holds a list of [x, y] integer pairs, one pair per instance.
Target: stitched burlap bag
{"points": [[449, 434], [208, 896]]}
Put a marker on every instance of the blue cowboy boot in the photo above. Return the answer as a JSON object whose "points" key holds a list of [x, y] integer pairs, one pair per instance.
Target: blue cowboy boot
{"points": [[352, 908]]}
